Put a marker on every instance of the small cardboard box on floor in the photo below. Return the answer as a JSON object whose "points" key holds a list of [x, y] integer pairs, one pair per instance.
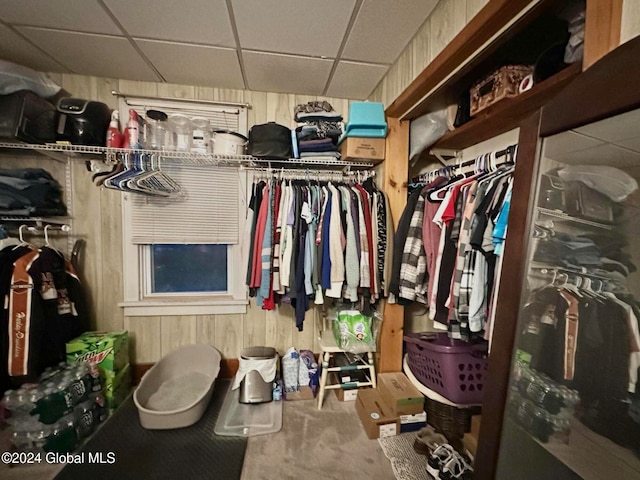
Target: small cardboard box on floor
{"points": [[343, 394], [400, 394], [377, 418]]}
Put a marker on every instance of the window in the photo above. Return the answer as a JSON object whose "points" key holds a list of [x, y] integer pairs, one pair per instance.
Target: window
{"points": [[180, 253]]}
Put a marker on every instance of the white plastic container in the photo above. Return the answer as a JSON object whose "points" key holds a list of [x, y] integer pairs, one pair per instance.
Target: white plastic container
{"points": [[201, 136], [201, 360], [226, 142]]}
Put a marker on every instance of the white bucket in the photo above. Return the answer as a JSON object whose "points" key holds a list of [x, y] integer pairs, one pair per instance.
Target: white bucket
{"points": [[228, 143]]}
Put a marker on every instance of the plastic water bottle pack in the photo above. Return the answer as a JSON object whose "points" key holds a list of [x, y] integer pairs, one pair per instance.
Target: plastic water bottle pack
{"points": [[56, 413]]}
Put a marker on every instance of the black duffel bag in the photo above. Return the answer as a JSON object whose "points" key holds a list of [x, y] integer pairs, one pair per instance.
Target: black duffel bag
{"points": [[270, 140]]}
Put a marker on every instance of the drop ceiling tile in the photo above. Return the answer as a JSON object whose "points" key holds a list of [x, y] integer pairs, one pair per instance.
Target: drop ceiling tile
{"points": [[355, 80], [286, 73], [196, 21], [16, 49], [194, 64], [384, 27], [606, 154], [620, 127], [302, 27], [88, 54], [631, 143], [75, 15], [567, 143]]}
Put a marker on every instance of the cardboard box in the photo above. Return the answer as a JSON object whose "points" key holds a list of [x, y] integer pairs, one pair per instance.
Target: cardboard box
{"points": [[305, 393], [475, 426], [360, 148], [110, 350], [346, 395], [400, 394], [413, 423], [377, 418], [470, 444]]}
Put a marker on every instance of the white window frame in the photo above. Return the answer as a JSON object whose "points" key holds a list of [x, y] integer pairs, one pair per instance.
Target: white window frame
{"points": [[140, 301]]}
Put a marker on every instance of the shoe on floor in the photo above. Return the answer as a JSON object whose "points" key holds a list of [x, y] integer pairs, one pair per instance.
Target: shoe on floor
{"points": [[437, 459], [456, 468], [428, 440]]}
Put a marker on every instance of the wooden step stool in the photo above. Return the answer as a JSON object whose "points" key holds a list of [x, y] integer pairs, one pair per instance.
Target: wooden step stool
{"points": [[329, 347]]}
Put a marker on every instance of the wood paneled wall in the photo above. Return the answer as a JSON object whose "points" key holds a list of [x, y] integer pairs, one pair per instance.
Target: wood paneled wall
{"points": [[630, 20], [97, 218], [444, 23]]}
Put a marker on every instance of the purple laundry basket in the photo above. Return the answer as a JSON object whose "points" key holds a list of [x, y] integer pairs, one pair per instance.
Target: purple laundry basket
{"points": [[453, 368]]}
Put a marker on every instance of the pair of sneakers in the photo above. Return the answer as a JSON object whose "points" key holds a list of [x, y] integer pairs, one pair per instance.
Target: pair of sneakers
{"points": [[445, 463]]}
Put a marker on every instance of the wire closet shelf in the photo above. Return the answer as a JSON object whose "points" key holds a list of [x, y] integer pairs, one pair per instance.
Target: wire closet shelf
{"points": [[189, 158]]}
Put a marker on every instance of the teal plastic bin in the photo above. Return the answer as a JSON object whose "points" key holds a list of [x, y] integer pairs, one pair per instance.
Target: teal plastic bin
{"points": [[366, 119]]}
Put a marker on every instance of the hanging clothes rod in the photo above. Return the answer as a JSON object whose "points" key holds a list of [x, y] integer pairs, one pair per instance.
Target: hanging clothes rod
{"points": [[509, 152], [322, 175], [47, 228], [115, 93]]}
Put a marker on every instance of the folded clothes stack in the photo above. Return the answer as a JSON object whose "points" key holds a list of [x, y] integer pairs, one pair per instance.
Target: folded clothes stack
{"points": [[319, 130]]}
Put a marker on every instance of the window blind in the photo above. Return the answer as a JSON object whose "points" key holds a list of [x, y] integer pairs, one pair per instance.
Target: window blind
{"points": [[207, 210]]}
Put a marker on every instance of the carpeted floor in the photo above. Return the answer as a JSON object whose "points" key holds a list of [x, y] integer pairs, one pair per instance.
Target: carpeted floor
{"points": [[327, 444]]}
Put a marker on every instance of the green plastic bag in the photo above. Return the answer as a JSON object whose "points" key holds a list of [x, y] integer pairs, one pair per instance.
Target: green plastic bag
{"points": [[352, 331]]}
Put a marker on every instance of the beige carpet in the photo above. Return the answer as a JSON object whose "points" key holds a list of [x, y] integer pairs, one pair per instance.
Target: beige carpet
{"points": [[327, 444]]}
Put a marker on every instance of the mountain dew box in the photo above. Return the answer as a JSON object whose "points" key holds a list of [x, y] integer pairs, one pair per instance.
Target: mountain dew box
{"points": [[116, 387], [109, 350]]}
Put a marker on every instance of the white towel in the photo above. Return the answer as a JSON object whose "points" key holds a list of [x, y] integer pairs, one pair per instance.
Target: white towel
{"points": [[266, 368]]}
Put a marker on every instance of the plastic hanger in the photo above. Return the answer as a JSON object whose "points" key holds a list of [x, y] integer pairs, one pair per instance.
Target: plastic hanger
{"points": [[153, 181], [23, 242]]}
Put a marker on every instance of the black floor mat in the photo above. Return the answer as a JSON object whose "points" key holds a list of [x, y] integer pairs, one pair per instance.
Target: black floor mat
{"points": [[185, 453]]}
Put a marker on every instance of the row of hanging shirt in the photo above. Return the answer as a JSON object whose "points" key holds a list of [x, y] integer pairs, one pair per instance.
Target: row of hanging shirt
{"points": [[43, 307], [448, 240], [311, 239]]}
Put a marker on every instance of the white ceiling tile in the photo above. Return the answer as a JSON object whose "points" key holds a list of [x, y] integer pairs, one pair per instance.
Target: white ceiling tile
{"points": [[355, 80], [16, 49], [631, 143], [88, 54], [384, 27], [76, 15], [302, 27], [195, 21], [620, 127], [286, 73], [194, 64], [606, 154]]}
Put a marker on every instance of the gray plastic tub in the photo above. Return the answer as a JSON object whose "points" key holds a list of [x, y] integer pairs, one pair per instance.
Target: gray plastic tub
{"points": [[176, 391]]}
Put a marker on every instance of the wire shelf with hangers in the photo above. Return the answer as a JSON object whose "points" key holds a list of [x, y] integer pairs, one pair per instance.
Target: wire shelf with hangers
{"points": [[188, 158]]}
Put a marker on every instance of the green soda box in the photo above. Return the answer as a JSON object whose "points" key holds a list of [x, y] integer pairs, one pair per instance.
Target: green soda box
{"points": [[116, 387], [109, 350]]}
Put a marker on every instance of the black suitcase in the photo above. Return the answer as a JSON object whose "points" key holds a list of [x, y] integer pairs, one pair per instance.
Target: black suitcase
{"points": [[27, 117]]}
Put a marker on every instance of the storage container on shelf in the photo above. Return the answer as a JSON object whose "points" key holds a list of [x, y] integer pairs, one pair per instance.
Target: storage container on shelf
{"points": [[201, 135], [182, 132], [157, 130]]}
